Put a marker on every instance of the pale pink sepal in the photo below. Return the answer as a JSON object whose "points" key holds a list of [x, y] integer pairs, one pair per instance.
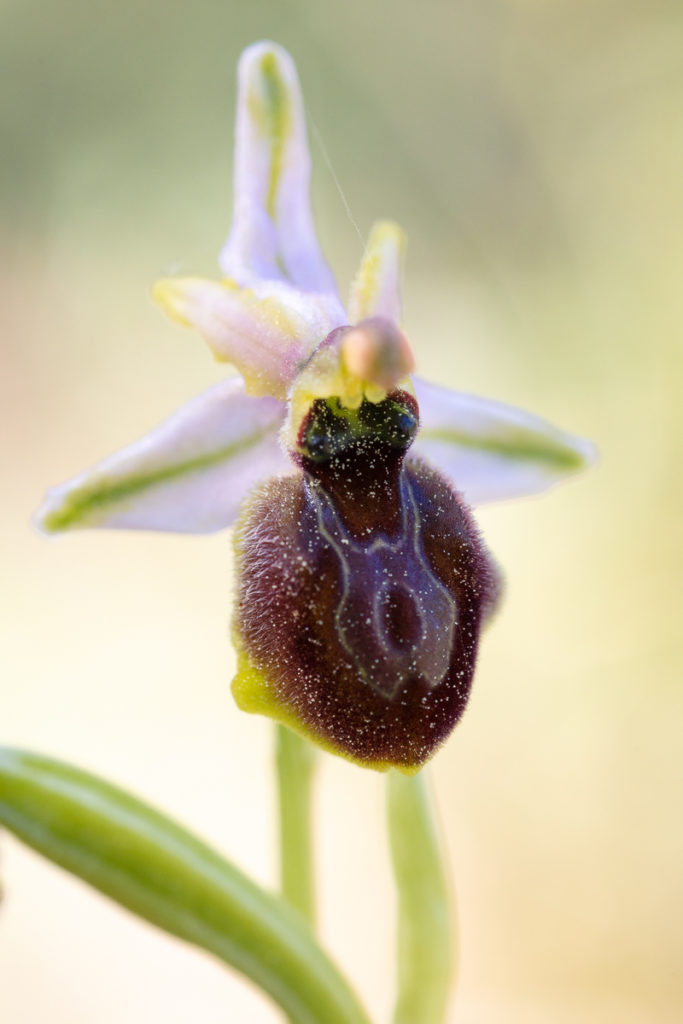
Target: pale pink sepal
{"points": [[189, 475], [491, 451], [273, 237], [264, 338]]}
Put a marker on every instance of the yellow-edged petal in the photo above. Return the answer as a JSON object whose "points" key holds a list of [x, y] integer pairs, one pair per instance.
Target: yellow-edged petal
{"points": [[264, 338], [376, 287], [273, 237]]}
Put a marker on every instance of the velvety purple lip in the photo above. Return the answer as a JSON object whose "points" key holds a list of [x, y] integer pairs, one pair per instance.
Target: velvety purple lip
{"points": [[364, 584]]}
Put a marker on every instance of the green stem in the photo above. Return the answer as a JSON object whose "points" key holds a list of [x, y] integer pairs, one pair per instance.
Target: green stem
{"points": [[295, 760], [152, 866], [426, 945]]}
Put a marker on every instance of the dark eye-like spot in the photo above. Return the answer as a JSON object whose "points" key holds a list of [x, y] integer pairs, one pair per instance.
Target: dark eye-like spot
{"points": [[404, 429], [332, 430], [324, 433], [318, 447], [389, 421]]}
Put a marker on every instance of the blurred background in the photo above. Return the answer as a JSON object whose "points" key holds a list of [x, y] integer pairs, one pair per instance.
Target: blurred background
{"points": [[534, 154]]}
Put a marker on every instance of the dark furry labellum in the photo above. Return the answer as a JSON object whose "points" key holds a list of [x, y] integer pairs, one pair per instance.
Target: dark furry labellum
{"points": [[362, 587]]}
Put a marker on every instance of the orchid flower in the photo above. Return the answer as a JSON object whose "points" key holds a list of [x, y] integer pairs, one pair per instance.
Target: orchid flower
{"points": [[362, 580]]}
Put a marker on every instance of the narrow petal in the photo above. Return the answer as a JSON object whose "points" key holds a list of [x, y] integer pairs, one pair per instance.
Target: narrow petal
{"points": [[493, 451], [189, 475], [273, 237], [265, 339], [376, 288]]}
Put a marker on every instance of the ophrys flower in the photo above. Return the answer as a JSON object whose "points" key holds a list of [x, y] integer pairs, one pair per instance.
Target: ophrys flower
{"points": [[362, 581]]}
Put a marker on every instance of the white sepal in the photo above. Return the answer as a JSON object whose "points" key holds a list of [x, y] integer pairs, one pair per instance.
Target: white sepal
{"points": [[273, 237], [189, 475], [493, 451]]}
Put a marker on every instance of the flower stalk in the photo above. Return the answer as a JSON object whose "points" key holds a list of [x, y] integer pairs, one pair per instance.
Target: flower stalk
{"points": [[295, 768], [426, 924]]}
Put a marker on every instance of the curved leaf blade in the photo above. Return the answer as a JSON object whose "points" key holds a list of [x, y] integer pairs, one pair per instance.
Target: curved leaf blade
{"points": [[149, 864]]}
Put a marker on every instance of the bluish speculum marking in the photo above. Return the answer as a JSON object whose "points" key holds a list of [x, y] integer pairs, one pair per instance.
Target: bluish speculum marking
{"points": [[362, 587], [394, 618]]}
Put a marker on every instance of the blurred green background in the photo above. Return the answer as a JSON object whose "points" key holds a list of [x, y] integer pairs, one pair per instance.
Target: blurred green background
{"points": [[534, 153]]}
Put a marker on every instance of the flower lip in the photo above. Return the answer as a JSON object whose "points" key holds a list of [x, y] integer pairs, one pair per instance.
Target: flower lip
{"points": [[361, 596]]}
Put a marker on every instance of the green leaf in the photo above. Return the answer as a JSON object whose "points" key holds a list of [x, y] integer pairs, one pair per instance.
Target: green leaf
{"points": [[425, 941], [155, 868]]}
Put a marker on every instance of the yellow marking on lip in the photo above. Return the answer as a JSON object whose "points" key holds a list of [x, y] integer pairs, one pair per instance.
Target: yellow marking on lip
{"points": [[254, 693]]}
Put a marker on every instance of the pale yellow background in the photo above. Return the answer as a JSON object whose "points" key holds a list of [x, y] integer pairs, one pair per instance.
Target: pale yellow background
{"points": [[534, 152]]}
